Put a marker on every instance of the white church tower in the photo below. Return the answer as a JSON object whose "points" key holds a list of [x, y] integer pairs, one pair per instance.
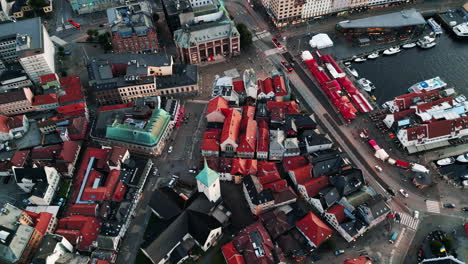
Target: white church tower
{"points": [[208, 183]]}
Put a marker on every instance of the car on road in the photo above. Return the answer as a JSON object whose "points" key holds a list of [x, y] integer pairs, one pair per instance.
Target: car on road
{"points": [[404, 193], [449, 205], [416, 214], [170, 149], [192, 171], [277, 43], [391, 192], [465, 209], [173, 181], [339, 252], [74, 23], [287, 66], [378, 168]]}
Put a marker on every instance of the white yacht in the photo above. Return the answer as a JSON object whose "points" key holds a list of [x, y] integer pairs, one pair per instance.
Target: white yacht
{"points": [[409, 45], [427, 42], [392, 50], [445, 162], [373, 55], [367, 85], [352, 71], [360, 59], [463, 158], [461, 30]]}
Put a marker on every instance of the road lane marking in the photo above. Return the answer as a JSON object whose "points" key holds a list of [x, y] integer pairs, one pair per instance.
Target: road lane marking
{"points": [[408, 221]]}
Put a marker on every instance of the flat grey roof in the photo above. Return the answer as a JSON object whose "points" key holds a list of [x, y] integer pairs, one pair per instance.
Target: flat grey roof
{"points": [[31, 27], [403, 18]]}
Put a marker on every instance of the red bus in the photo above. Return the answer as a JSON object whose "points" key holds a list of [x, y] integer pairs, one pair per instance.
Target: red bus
{"points": [[74, 23]]}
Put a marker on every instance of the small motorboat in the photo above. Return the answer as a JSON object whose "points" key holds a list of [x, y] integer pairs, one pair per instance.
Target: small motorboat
{"points": [[352, 71], [360, 59], [445, 162], [367, 85], [409, 45], [392, 50], [347, 63], [373, 55], [463, 158], [427, 42]]}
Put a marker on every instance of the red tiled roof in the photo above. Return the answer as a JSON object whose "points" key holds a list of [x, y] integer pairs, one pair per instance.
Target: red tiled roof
{"points": [[119, 192], [77, 128], [402, 114], [426, 106], [314, 229], [19, 158], [280, 86], [406, 100], [216, 104], [4, 124], [47, 78], [276, 186], [69, 151], [45, 99], [303, 173], [244, 166], [263, 137], [72, 109], [77, 226], [231, 255], [437, 128], [290, 107], [116, 154], [267, 168], [239, 86], [261, 87], [45, 153], [98, 261], [268, 85], [42, 222], [83, 209], [243, 243], [16, 121], [210, 141], [291, 163], [248, 140], [114, 107], [231, 126], [73, 91], [315, 185], [338, 211]]}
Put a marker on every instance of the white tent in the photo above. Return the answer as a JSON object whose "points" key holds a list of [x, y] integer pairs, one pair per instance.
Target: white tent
{"points": [[381, 154], [419, 168], [306, 55], [321, 41]]}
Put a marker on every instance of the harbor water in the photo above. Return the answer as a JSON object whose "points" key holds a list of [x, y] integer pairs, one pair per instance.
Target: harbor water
{"points": [[393, 75]]}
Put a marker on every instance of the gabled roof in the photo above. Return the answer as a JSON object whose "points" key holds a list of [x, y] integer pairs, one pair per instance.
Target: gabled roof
{"points": [[314, 229], [45, 99], [315, 185], [338, 211], [279, 86], [207, 176], [248, 139], [231, 126], [19, 158], [238, 86], [4, 128], [16, 121], [303, 174], [244, 166], [69, 151], [263, 137], [291, 163], [231, 255], [210, 141], [216, 104]]}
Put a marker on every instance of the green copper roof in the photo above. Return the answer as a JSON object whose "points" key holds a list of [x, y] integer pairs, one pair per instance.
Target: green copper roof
{"points": [[138, 132], [207, 176]]}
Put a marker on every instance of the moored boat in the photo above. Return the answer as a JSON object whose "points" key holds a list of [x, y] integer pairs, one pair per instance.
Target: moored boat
{"points": [[392, 50], [461, 30], [373, 55], [360, 59], [409, 45], [426, 42], [445, 162], [352, 71], [435, 26], [365, 84], [427, 85], [463, 158]]}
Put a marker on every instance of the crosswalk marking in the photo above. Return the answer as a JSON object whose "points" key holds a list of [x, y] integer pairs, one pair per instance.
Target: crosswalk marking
{"points": [[400, 237], [433, 206], [409, 221]]}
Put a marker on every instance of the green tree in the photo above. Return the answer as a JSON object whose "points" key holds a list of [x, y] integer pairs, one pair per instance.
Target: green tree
{"points": [[61, 48], [435, 247], [328, 244], [245, 35], [448, 243], [64, 73]]}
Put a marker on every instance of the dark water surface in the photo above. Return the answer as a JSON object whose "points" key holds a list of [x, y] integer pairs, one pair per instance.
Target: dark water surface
{"points": [[393, 75]]}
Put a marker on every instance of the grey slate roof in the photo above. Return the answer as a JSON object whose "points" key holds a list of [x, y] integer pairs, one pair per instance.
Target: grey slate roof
{"points": [[182, 75], [46, 248], [443, 260], [398, 19], [165, 204], [348, 182], [196, 224]]}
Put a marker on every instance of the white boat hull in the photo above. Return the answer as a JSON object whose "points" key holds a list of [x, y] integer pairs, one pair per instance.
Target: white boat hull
{"points": [[391, 51], [445, 162], [409, 45], [463, 158]]}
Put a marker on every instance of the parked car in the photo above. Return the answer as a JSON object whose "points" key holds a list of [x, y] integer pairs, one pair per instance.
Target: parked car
{"points": [[287, 66], [416, 214], [339, 252], [391, 192], [404, 193], [170, 149], [276, 42], [192, 171], [449, 205], [173, 181], [465, 209], [378, 168]]}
